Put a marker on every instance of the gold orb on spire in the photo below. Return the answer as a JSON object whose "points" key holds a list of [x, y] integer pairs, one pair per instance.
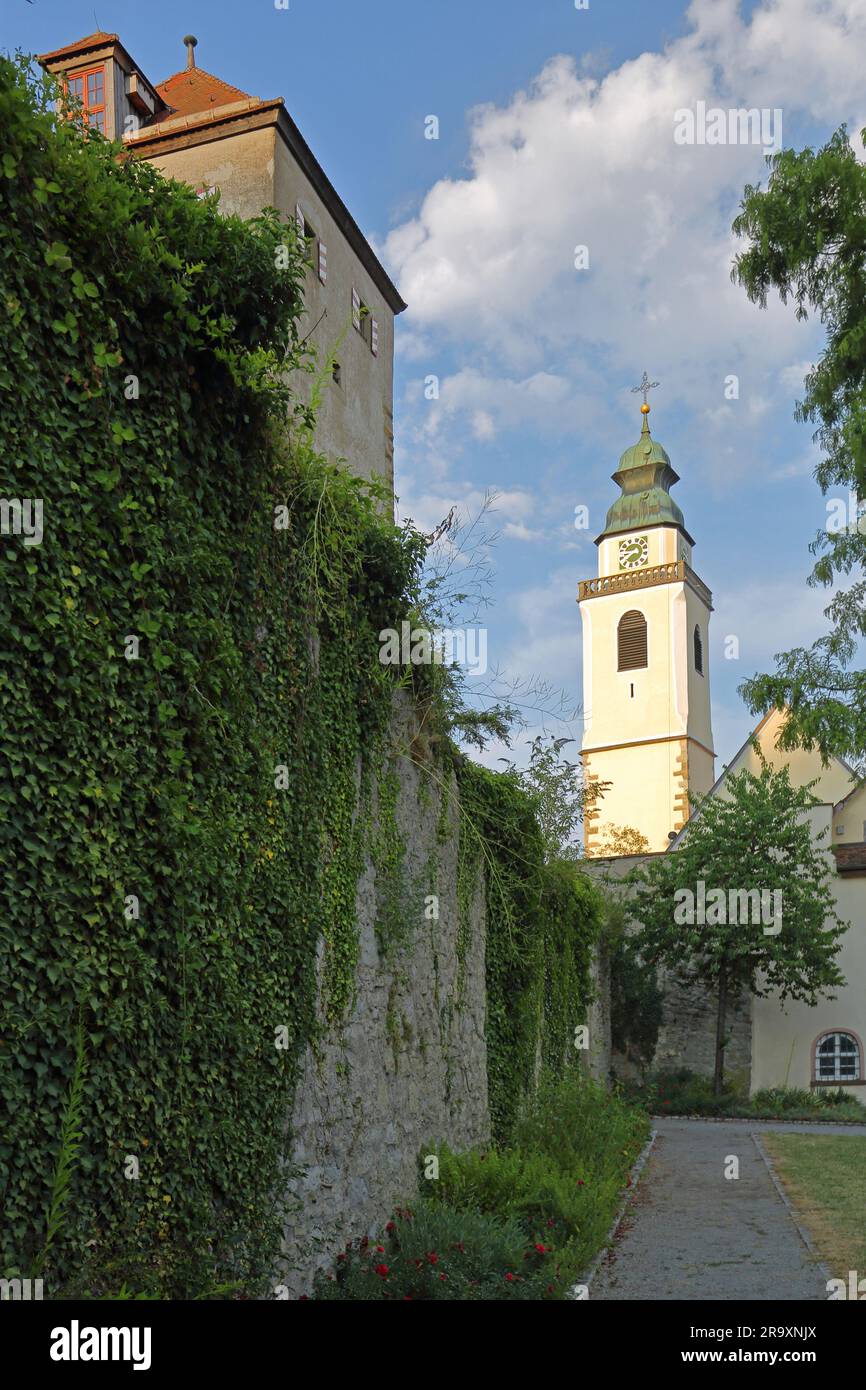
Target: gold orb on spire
{"points": [[645, 410]]}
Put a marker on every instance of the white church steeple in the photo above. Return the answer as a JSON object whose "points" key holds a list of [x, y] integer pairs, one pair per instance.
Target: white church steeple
{"points": [[646, 679]]}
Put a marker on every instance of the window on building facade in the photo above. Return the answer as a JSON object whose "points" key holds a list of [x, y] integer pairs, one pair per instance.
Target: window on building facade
{"points": [[317, 251], [838, 1058], [631, 641], [699, 652], [363, 321], [360, 314], [89, 89]]}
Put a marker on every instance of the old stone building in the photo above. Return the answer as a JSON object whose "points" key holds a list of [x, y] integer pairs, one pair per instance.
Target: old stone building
{"points": [[203, 131]]}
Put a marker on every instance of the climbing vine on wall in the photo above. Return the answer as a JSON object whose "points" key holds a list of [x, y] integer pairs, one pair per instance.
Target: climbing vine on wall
{"points": [[188, 683], [542, 921], [192, 720]]}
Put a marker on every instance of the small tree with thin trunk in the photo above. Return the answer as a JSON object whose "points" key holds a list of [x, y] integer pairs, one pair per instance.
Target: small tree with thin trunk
{"points": [[744, 904]]}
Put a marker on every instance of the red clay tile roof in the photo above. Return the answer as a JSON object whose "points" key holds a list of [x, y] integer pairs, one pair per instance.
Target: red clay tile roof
{"points": [[95, 40], [850, 858], [192, 90]]}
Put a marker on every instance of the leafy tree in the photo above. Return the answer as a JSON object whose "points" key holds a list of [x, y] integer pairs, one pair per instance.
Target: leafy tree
{"points": [[619, 840], [697, 922], [807, 231], [452, 592], [558, 794]]}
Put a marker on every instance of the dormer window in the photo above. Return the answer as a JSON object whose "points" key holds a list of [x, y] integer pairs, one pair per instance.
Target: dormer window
{"points": [[89, 89]]}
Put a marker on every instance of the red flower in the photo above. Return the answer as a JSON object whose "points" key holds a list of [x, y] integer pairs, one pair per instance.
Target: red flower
{"points": [[382, 1271], [433, 1257], [407, 1298], [542, 1249], [550, 1288], [380, 1249], [390, 1226], [442, 1277], [342, 1255], [510, 1278], [581, 1183]]}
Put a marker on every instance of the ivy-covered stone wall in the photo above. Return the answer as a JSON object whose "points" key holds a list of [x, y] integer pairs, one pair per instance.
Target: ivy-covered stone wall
{"points": [[222, 842], [407, 1066]]}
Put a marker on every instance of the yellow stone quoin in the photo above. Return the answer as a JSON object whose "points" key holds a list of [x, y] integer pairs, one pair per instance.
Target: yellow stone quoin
{"points": [[646, 680]]}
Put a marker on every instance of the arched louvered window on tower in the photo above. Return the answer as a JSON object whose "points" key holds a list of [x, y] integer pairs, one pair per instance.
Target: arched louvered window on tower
{"points": [[699, 652], [631, 641]]}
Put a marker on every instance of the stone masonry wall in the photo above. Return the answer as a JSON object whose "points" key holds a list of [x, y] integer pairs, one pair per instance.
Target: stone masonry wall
{"points": [[687, 1037], [599, 1060], [407, 1068]]}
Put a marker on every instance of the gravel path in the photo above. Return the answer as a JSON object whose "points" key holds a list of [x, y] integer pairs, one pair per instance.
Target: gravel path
{"points": [[691, 1233]]}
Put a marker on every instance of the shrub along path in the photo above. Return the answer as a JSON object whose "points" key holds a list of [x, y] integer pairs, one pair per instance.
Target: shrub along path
{"points": [[692, 1233]]}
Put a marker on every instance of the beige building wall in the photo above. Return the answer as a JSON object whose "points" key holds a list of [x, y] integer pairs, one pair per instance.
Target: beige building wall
{"points": [[356, 416], [849, 821], [831, 783], [254, 170], [784, 1034], [201, 131], [240, 166]]}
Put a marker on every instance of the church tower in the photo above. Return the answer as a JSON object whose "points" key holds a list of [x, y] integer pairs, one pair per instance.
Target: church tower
{"points": [[646, 678]]}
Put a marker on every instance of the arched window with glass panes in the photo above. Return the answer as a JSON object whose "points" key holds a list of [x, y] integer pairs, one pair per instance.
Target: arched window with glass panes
{"points": [[838, 1058], [631, 646]]}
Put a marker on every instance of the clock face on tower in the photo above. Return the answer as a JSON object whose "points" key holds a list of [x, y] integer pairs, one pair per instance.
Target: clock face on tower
{"points": [[633, 552]]}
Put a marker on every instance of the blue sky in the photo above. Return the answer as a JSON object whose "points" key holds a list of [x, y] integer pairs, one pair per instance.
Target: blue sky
{"points": [[556, 130]]}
